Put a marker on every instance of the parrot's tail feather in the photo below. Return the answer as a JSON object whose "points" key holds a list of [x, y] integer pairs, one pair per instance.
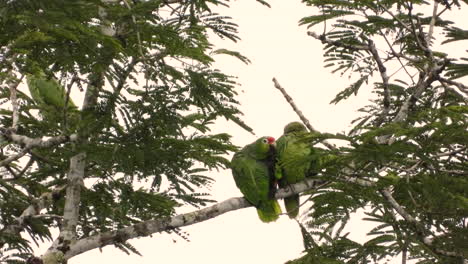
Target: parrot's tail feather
{"points": [[292, 206], [269, 211]]}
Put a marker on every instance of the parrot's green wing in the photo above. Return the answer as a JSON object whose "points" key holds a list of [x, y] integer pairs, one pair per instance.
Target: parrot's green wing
{"points": [[48, 91], [293, 164], [253, 180], [51, 98]]}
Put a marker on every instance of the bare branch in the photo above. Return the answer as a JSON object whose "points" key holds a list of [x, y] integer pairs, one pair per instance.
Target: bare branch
{"points": [[451, 152], [12, 85], [149, 227], [424, 81], [17, 156], [432, 24], [398, 55], [72, 202], [361, 182], [388, 196], [407, 27], [383, 74], [75, 181], [37, 142], [459, 85], [298, 112]]}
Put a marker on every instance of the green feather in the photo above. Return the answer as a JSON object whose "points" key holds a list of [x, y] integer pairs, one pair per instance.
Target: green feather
{"points": [[51, 99], [293, 154], [252, 168], [48, 92]]}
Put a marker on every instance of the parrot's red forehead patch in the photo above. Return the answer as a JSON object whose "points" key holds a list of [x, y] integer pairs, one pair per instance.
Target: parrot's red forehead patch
{"points": [[270, 139]]}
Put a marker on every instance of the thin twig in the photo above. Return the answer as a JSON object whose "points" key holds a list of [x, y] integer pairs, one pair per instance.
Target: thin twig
{"points": [[459, 85], [451, 152], [140, 45], [394, 17], [397, 55], [383, 74], [298, 112], [26, 167]]}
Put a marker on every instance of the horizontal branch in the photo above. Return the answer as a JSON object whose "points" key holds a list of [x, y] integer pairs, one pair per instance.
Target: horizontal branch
{"points": [[149, 227], [30, 143], [37, 142]]}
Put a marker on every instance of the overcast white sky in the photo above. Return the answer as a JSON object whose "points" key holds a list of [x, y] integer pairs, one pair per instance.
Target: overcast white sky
{"points": [[277, 48]]}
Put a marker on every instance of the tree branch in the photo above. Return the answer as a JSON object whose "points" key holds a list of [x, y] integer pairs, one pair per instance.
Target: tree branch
{"points": [[17, 156], [383, 74], [298, 112], [159, 225], [73, 196], [432, 24], [30, 143], [12, 85], [424, 81], [423, 237], [337, 43], [32, 210], [459, 85], [36, 142]]}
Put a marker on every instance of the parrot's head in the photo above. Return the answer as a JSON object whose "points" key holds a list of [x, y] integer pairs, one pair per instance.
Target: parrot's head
{"points": [[265, 145], [294, 127]]}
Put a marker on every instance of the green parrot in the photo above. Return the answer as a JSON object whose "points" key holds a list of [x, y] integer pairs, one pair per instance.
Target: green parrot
{"points": [[47, 91], [293, 162], [50, 96], [253, 171]]}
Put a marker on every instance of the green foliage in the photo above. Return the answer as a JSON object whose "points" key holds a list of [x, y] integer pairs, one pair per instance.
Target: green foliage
{"points": [[410, 141], [150, 95]]}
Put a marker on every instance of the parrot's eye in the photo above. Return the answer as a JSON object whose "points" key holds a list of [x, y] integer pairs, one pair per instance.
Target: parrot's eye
{"points": [[265, 140]]}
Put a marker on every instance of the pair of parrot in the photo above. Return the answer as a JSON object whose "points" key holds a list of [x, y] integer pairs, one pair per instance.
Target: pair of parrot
{"points": [[260, 166]]}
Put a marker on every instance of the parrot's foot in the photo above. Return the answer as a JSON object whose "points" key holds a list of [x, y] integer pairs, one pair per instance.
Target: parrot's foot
{"points": [[291, 188]]}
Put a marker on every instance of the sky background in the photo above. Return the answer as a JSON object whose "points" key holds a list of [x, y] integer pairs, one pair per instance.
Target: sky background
{"points": [[277, 47]]}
